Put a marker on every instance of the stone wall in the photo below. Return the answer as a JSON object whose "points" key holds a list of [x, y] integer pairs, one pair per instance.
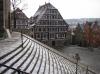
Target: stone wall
{"points": [[4, 17]]}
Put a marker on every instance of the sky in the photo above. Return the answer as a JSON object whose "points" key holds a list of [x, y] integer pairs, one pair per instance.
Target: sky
{"points": [[69, 9]]}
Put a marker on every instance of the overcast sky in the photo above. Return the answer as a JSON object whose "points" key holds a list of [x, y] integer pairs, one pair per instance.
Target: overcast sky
{"points": [[68, 8]]}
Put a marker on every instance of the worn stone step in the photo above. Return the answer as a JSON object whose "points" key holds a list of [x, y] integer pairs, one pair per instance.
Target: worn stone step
{"points": [[34, 62], [56, 66], [30, 59], [7, 58], [43, 62], [37, 58], [3, 55], [14, 59], [47, 66], [51, 63], [23, 60]]}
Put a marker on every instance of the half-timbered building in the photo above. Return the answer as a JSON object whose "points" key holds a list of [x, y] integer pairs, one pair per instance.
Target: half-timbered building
{"points": [[49, 26]]}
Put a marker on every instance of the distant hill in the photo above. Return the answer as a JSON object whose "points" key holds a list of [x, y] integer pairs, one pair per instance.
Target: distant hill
{"points": [[73, 22], [82, 20]]}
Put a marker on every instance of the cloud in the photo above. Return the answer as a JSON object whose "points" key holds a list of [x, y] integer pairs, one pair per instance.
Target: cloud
{"points": [[68, 8]]}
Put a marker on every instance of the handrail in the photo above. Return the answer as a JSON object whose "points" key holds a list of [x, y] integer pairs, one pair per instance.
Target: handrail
{"points": [[17, 70], [62, 55]]}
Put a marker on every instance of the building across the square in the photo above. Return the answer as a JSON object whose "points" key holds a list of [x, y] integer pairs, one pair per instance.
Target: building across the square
{"points": [[48, 26], [21, 22], [20, 18]]}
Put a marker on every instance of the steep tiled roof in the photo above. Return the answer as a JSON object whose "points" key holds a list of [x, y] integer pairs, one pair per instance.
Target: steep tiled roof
{"points": [[19, 14], [47, 12], [42, 9]]}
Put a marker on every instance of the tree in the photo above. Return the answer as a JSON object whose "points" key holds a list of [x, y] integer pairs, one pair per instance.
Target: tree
{"points": [[92, 33], [88, 33], [79, 39], [96, 34], [15, 4]]}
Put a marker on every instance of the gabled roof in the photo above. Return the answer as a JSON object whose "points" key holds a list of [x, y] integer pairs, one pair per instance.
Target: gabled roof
{"points": [[19, 14], [44, 12], [48, 5], [42, 9]]}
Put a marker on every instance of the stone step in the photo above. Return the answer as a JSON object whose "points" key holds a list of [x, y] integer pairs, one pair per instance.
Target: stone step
{"points": [[24, 59], [15, 58], [56, 66], [8, 52], [47, 66], [31, 60], [43, 62], [39, 61], [51, 64], [36, 58]]}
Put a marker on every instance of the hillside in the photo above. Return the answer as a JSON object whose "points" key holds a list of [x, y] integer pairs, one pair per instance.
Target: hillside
{"points": [[73, 22]]}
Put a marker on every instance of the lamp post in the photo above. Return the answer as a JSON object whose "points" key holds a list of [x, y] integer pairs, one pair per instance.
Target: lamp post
{"points": [[77, 57], [87, 70], [72, 37], [22, 38]]}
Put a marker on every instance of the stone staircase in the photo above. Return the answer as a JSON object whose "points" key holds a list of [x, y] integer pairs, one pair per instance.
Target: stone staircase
{"points": [[37, 58]]}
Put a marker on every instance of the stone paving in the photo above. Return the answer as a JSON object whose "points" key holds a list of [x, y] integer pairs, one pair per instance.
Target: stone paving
{"points": [[88, 57], [10, 43]]}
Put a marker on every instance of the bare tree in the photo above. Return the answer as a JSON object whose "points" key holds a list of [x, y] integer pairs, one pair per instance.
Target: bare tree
{"points": [[14, 4]]}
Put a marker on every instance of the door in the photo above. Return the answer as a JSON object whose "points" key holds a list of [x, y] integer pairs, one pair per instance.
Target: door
{"points": [[53, 43]]}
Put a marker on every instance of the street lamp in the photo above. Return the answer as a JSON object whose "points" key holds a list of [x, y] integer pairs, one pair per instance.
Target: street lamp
{"points": [[77, 57], [87, 70], [22, 38], [72, 37]]}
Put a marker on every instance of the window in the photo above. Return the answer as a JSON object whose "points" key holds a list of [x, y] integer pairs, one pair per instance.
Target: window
{"points": [[39, 29], [56, 29], [50, 29], [47, 29], [57, 36], [47, 16], [52, 36], [44, 29], [53, 17], [53, 29], [44, 35], [38, 36], [43, 22], [61, 35], [48, 23], [54, 11]]}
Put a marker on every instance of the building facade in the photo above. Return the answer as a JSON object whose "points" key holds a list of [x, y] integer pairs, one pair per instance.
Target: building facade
{"points": [[48, 26], [21, 22], [4, 16], [21, 19]]}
